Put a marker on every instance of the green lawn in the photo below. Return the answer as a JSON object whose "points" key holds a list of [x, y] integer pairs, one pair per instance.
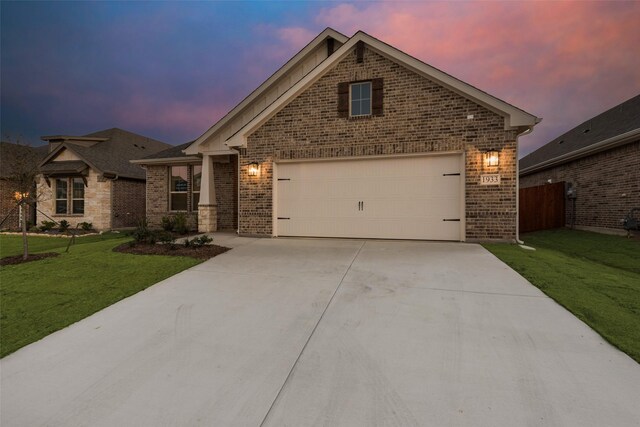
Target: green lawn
{"points": [[12, 244], [40, 297], [595, 276]]}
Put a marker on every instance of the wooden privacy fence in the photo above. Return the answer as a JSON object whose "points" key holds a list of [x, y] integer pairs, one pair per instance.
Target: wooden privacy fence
{"points": [[542, 207]]}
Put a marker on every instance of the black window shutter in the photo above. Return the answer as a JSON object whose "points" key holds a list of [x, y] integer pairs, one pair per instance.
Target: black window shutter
{"points": [[343, 99], [376, 103]]}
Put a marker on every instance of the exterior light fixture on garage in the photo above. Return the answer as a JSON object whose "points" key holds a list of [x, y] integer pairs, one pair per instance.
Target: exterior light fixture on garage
{"points": [[254, 169], [491, 157]]}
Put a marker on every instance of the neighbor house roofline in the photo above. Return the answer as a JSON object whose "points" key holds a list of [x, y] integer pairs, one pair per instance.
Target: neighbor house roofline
{"points": [[515, 118], [327, 33], [606, 144], [72, 137], [64, 146]]}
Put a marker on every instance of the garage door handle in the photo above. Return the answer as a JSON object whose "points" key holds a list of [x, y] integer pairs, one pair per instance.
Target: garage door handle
{"points": [[451, 219], [451, 174]]}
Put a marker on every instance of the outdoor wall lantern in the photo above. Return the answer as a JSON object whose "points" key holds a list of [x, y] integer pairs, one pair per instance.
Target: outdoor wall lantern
{"points": [[254, 168], [491, 157]]}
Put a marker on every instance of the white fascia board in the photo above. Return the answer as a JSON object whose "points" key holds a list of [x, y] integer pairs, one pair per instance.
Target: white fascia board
{"points": [[606, 144], [515, 118], [172, 160], [239, 139], [224, 152], [329, 32]]}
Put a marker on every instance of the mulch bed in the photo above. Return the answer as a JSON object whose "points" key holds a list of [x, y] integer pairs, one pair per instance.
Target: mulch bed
{"points": [[17, 259], [202, 252]]}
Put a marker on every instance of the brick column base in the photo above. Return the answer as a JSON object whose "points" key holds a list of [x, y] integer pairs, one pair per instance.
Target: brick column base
{"points": [[207, 218]]}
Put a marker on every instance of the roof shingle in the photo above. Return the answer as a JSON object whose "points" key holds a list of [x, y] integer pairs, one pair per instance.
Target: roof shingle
{"points": [[616, 121]]}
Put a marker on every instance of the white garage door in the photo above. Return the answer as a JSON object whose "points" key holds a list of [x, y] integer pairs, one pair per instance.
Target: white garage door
{"points": [[389, 198]]}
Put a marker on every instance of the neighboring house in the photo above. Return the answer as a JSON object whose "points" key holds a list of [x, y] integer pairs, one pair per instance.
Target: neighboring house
{"points": [[13, 157], [353, 138], [600, 160], [90, 178]]}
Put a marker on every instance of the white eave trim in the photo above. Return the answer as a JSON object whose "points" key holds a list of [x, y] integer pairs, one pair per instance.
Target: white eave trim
{"points": [[606, 144], [515, 118], [329, 32], [166, 160]]}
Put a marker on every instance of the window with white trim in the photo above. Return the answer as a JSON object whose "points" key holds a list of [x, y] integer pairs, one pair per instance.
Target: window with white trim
{"points": [[360, 99], [196, 180], [178, 188]]}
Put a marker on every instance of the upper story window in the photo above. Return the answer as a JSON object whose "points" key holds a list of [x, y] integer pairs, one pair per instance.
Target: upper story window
{"points": [[360, 99]]}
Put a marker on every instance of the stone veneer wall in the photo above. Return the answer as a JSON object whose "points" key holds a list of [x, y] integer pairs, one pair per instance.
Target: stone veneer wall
{"points": [[607, 183], [226, 195], [128, 204], [419, 117], [97, 202]]}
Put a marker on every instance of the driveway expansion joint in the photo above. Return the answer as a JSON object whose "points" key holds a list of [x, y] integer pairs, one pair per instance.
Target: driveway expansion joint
{"points": [[295, 363]]}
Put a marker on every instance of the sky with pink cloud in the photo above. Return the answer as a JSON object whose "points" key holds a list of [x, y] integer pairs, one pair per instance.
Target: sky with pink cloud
{"points": [[170, 70]]}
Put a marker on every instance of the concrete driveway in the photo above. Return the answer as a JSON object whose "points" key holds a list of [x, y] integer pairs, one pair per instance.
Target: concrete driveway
{"points": [[304, 332]]}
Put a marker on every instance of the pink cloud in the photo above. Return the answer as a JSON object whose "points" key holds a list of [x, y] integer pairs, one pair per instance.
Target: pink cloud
{"points": [[296, 37], [565, 61]]}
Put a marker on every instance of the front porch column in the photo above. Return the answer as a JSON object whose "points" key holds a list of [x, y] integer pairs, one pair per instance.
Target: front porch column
{"points": [[207, 208]]}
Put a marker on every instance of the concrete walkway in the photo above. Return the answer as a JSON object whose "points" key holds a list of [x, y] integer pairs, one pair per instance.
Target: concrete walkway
{"points": [[305, 332]]}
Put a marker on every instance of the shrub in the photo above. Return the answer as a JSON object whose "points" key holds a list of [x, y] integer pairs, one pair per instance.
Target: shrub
{"points": [[180, 223], [86, 226], [197, 242], [63, 225], [34, 229], [166, 238], [47, 225], [168, 223], [142, 234]]}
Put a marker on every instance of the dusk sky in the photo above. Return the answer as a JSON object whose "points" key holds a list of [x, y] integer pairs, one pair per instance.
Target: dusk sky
{"points": [[171, 70]]}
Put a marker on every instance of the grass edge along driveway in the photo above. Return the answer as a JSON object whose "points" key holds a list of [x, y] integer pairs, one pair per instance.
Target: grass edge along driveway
{"points": [[594, 276], [40, 297]]}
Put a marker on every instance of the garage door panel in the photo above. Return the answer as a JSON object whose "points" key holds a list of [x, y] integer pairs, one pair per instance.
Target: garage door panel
{"points": [[395, 198]]}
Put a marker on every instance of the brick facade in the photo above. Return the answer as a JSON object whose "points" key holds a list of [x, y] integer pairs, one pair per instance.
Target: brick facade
{"points": [[7, 204], [607, 184], [419, 116], [128, 203], [226, 195]]}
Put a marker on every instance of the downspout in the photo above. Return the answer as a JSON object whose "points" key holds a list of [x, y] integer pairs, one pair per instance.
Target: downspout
{"points": [[526, 132], [115, 178]]}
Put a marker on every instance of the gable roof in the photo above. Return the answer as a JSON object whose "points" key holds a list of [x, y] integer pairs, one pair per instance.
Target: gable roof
{"points": [[111, 151], [616, 126], [515, 118], [173, 154], [11, 154], [328, 33]]}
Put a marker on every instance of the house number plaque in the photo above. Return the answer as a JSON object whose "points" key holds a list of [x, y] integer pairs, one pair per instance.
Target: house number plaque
{"points": [[490, 179]]}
